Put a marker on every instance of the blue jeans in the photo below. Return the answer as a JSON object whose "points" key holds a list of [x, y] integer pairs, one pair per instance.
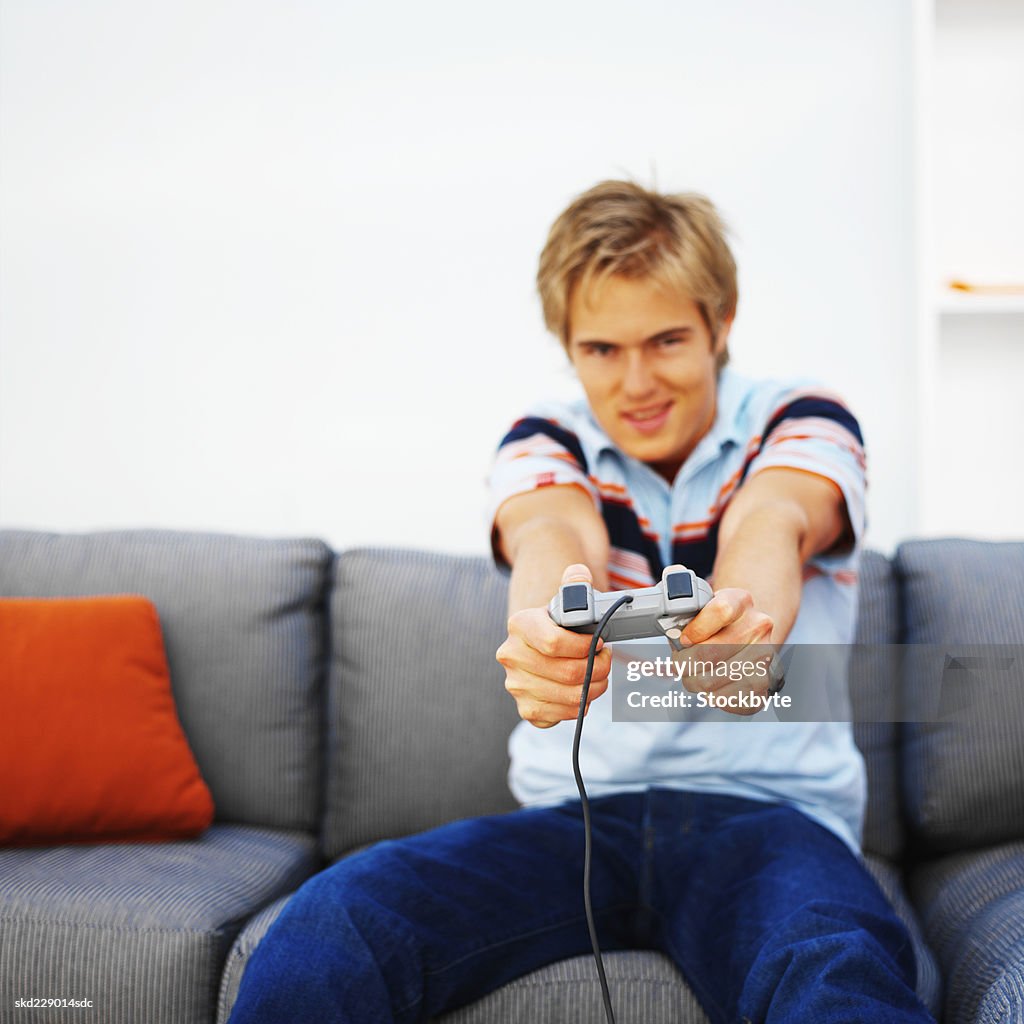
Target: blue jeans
{"points": [[767, 914]]}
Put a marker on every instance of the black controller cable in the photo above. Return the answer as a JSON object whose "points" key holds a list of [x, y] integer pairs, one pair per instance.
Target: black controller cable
{"points": [[625, 599]]}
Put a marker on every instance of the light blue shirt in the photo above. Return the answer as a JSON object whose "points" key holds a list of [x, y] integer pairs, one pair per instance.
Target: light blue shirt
{"points": [[813, 766]]}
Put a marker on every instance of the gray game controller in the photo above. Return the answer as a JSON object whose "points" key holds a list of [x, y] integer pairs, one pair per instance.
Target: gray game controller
{"points": [[661, 610]]}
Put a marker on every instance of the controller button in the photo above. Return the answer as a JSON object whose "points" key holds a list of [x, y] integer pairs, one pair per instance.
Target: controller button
{"points": [[574, 598], [678, 584]]}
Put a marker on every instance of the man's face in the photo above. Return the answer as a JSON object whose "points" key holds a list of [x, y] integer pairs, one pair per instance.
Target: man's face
{"points": [[646, 361]]}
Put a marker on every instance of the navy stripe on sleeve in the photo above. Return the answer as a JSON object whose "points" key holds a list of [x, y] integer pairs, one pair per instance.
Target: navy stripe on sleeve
{"points": [[699, 554], [531, 425], [823, 408], [619, 517]]}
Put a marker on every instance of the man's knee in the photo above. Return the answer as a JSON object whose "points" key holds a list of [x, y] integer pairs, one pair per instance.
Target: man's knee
{"points": [[353, 893], [829, 948], [832, 925]]}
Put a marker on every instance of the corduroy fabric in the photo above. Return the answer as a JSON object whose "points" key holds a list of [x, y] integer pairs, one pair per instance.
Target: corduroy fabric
{"points": [[963, 772], [972, 911], [140, 929], [875, 699], [244, 630], [418, 716], [645, 988], [244, 946]]}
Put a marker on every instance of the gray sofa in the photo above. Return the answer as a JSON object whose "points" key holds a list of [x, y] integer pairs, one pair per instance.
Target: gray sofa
{"points": [[335, 700]]}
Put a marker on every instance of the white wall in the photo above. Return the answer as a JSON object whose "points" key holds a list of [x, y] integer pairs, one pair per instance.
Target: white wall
{"points": [[268, 267], [973, 346]]}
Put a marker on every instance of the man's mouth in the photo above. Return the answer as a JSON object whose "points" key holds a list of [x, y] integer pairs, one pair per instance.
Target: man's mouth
{"points": [[649, 419]]}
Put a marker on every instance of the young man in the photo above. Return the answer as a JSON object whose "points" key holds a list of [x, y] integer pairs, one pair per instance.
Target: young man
{"points": [[729, 845]]}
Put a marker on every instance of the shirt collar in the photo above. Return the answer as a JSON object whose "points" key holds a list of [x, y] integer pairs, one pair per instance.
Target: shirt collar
{"points": [[731, 392]]}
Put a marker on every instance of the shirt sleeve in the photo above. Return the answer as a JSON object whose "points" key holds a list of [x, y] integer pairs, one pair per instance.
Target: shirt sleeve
{"points": [[813, 430], [537, 452]]}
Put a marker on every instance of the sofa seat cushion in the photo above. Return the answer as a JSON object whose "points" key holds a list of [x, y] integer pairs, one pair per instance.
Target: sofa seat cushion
{"points": [[971, 906], [140, 929], [646, 987], [244, 627]]}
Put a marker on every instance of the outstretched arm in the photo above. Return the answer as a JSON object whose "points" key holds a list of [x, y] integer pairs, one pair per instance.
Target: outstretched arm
{"points": [[543, 531], [551, 536], [778, 520]]}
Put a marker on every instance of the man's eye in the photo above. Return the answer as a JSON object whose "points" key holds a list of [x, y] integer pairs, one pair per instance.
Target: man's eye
{"points": [[671, 342], [601, 351]]}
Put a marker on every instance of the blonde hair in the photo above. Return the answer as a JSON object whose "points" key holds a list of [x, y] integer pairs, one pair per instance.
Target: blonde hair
{"points": [[618, 227]]}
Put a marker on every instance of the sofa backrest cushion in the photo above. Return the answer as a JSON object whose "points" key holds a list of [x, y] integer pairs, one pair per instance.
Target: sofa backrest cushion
{"points": [[963, 749], [418, 717], [243, 624], [874, 697]]}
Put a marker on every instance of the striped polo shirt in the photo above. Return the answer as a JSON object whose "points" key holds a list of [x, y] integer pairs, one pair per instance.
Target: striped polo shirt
{"points": [[759, 424]]}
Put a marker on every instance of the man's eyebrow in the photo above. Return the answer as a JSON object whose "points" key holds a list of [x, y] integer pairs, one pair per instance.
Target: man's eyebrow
{"points": [[660, 336], [671, 332]]}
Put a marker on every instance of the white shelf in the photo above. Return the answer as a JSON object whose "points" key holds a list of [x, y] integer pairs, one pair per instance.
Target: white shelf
{"points": [[970, 352], [969, 304]]}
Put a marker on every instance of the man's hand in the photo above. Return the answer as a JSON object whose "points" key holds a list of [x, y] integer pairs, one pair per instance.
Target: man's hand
{"points": [[733, 636], [545, 665]]}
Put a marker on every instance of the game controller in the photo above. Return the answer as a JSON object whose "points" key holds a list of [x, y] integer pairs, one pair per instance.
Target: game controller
{"points": [[661, 610]]}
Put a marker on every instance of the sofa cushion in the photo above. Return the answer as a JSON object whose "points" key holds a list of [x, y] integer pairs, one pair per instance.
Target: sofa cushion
{"points": [[646, 985], [418, 716], [971, 906], [875, 700], [91, 747], [244, 631], [244, 946], [141, 930], [645, 988], [963, 749]]}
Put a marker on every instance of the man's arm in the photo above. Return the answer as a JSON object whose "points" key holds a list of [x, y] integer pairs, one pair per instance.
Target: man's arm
{"points": [[776, 521], [540, 534]]}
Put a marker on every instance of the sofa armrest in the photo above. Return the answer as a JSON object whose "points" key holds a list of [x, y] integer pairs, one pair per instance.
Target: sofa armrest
{"points": [[971, 907]]}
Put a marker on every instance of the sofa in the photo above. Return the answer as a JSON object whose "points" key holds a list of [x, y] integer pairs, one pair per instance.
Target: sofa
{"points": [[335, 699]]}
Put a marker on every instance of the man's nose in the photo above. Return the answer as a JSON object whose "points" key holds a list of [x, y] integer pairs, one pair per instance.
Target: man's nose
{"points": [[638, 380]]}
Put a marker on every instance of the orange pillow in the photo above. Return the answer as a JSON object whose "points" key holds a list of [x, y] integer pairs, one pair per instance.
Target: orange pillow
{"points": [[91, 749]]}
